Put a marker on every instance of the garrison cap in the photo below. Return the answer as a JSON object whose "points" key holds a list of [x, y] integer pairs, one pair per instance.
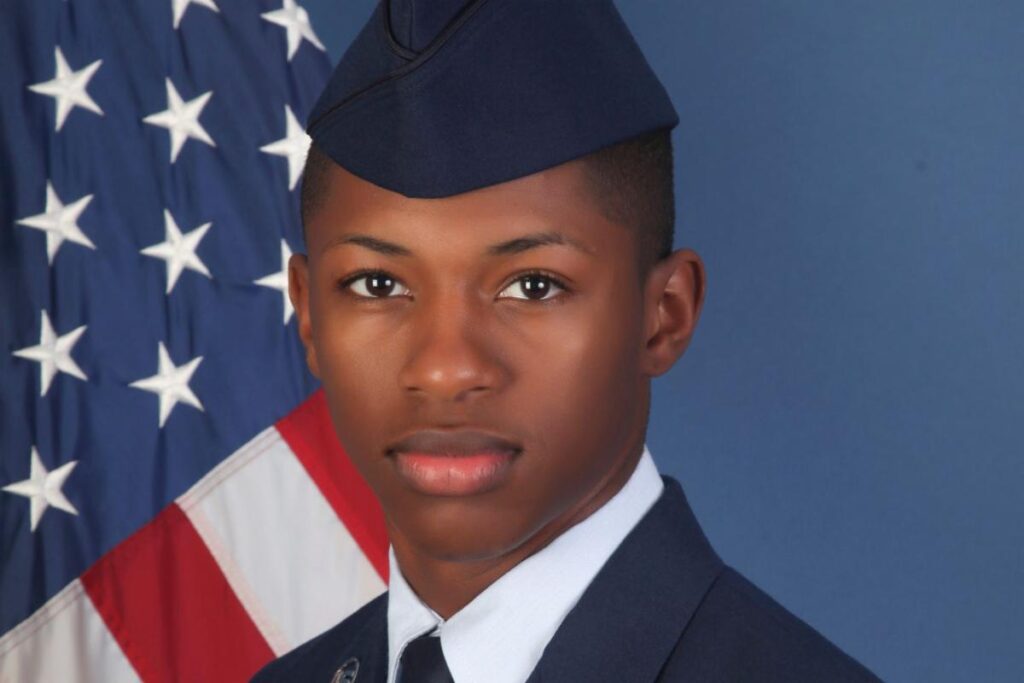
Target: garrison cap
{"points": [[439, 97]]}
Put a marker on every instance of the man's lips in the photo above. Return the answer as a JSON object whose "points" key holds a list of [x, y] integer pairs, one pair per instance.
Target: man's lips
{"points": [[453, 463]]}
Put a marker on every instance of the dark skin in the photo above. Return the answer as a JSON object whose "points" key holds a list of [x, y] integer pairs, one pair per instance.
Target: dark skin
{"points": [[451, 336]]}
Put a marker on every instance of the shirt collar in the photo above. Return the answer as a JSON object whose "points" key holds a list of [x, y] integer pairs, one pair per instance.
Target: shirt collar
{"points": [[501, 634]]}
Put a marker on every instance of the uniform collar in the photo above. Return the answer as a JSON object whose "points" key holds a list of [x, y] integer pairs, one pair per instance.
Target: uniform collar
{"points": [[502, 633], [634, 613]]}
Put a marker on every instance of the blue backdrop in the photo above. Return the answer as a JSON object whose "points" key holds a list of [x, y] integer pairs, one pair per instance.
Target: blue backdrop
{"points": [[848, 421]]}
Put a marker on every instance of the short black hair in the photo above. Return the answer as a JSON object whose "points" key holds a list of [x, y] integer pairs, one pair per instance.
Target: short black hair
{"points": [[630, 181], [633, 185]]}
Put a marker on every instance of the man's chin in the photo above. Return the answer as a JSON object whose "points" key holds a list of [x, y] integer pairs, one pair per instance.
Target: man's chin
{"points": [[464, 542]]}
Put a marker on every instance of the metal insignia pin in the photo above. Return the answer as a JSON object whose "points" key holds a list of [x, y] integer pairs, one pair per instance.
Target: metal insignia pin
{"points": [[346, 673]]}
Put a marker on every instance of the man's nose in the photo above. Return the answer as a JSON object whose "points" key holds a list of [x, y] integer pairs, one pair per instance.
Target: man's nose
{"points": [[453, 353]]}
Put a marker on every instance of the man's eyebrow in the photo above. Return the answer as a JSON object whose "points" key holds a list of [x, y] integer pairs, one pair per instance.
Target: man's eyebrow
{"points": [[537, 239], [378, 245], [512, 246]]}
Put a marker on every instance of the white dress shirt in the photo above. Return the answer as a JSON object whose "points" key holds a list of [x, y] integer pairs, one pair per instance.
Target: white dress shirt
{"points": [[500, 635]]}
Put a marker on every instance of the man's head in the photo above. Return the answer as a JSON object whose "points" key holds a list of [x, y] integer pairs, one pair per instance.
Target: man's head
{"points": [[534, 311]]}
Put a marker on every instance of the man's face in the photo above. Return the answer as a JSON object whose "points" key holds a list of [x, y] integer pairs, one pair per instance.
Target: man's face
{"points": [[460, 325]]}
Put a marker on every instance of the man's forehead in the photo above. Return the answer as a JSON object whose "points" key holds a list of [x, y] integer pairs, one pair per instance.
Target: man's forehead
{"points": [[516, 245], [551, 208]]}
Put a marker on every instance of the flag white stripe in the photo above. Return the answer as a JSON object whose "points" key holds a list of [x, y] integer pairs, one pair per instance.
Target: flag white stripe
{"points": [[265, 622], [65, 640]]}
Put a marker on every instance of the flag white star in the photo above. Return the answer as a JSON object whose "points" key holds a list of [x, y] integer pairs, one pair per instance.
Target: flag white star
{"points": [[293, 146], [53, 354], [59, 222], [180, 6], [279, 281], [182, 119], [178, 250], [295, 21], [43, 488], [170, 383], [68, 88]]}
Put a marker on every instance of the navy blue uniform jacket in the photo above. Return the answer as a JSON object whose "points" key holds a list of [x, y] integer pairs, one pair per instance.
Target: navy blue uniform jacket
{"points": [[663, 608]]}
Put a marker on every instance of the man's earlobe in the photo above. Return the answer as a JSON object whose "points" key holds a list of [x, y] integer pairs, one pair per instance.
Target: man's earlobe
{"points": [[673, 298], [298, 292]]}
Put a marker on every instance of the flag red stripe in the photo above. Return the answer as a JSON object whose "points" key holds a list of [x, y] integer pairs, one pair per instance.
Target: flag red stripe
{"points": [[310, 434], [168, 605]]}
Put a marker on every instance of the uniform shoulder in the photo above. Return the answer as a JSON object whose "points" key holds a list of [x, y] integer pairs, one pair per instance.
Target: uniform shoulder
{"points": [[321, 653], [740, 633]]}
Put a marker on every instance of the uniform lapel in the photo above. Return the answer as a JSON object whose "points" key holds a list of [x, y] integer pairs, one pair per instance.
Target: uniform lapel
{"points": [[634, 611]]}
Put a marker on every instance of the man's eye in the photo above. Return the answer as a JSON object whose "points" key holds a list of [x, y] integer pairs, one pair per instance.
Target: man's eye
{"points": [[378, 285], [535, 286]]}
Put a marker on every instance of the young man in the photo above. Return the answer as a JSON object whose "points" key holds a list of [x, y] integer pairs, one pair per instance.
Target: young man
{"points": [[489, 288]]}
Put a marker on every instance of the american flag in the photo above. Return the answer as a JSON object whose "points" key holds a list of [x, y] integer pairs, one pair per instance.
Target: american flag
{"points": [[175, 505]]}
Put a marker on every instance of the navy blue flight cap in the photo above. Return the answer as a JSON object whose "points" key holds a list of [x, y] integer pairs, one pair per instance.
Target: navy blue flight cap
{"points": [[439, 97]]}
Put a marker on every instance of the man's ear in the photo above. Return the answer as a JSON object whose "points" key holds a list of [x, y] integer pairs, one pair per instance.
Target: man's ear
{"points": [[673, 297], [298, 292]]}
